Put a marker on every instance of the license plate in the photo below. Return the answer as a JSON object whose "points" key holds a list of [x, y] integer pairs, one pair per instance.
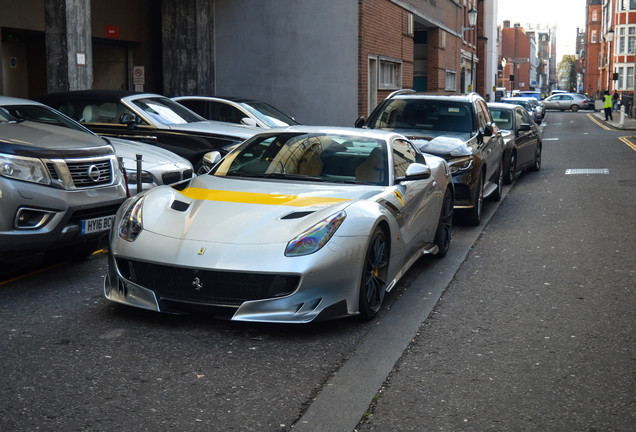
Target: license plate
{"points": [[97, 224]]}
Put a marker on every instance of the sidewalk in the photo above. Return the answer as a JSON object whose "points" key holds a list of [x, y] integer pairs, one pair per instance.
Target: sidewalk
{"points": [[629, 123]]}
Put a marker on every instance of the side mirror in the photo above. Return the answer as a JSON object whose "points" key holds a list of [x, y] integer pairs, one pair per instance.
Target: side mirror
{"points": [[248, 121], [360, 123], [524, 127], [488, 130], [416, 171], [209, 160], [128, 119]]}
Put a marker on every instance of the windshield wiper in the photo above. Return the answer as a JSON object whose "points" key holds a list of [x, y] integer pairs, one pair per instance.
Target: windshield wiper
{"points": [[278, 175]]}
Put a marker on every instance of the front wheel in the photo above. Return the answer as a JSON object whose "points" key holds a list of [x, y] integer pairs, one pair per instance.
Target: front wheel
{"points": [[444, 231], [374, 275], [537, 158], [574, 108]]}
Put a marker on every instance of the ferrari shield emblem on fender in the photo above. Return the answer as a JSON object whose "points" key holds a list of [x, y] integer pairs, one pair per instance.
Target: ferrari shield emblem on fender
{"points": [[399, 196], [201, 251]]}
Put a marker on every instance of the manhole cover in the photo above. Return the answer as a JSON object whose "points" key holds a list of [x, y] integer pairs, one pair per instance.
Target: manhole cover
{"points": [[588, 171]]}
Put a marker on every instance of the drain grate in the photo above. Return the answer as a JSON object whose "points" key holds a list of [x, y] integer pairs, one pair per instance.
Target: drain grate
{"points": [[587, 171]]}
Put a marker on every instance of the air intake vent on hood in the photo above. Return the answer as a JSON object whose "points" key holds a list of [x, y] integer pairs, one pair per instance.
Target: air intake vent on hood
{"points": [[179, 206], [297, 215]]}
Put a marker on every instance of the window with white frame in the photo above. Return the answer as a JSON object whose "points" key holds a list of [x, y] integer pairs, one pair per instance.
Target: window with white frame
{"points": [[629, 77], [626, 5], [594, 16], [451, 81], [620, 40], [626, 39], [390, 74], [620, 78], [593, 36], [625, 77]]}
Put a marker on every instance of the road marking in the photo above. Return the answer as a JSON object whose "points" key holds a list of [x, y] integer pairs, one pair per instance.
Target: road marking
{"points": [[24, 276], [627, 142], [598, 122], [586, 171], [550, 139]]}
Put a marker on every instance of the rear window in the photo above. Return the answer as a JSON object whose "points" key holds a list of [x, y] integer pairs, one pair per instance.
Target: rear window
{"points": [[424, 114]]}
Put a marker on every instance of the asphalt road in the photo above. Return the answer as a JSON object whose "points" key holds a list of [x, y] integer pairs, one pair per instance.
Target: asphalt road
{"points": [[534, 331]]}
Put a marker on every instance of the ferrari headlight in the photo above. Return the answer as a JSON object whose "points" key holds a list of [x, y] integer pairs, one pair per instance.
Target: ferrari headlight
{"points": [[315, 237], [460, 165], [130, 225], [24, 168]]}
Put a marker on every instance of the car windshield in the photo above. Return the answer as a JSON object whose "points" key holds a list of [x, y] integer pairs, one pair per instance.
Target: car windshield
{"points": [[5, 117], [166, 111], [42, 114], [424, 114], [309, 157], [268, 114], [502, 117]]}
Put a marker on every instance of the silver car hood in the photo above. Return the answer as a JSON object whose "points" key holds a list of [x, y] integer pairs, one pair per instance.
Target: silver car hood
{"points": [[209, 126], [244, 211], [152, 156]]}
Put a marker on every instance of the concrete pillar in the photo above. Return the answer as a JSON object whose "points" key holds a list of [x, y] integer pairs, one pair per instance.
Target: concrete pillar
{"points": [[188, 47], [69, 53]]}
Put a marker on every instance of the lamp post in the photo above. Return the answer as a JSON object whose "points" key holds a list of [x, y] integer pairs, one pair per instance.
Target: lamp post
{"points": [[472, 20], [609, 36]]}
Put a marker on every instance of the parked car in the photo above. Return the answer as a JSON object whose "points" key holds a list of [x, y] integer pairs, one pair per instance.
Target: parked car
{"points": [[568, 101], [150, 118], [295, 225], [458, 128], [58, 187], [237, 111], [530, 93], [522, 139], [531, 105], [159, 166]]}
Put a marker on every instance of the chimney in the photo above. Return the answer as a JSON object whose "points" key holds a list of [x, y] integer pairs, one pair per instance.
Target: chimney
{"points": [[506, 24]]}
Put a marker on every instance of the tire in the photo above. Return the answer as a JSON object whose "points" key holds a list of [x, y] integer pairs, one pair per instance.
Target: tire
{"points": [[374, 274], [473, 215], [511, 169], [444, 231], [498, 193], [537, 158], [574, 108]]}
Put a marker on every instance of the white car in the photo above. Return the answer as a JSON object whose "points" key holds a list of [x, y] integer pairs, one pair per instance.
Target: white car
{"points": [[159, 166]]}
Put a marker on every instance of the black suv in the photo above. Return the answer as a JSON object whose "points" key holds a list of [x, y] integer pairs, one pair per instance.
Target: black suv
{"points": [[458, 128]]}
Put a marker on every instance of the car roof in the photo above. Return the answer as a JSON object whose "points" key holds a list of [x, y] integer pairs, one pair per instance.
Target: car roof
{"points": [[9, 100], [506, 106], [405, 94], [236, 99], [102, 95]]}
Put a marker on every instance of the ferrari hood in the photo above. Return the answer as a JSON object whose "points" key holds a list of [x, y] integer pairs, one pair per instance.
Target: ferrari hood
{"points": [[244, 211]]}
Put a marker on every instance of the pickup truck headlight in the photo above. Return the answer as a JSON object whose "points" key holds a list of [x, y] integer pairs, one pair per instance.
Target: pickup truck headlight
{"points": [[315, 237], [460, 165], [24, 168]]}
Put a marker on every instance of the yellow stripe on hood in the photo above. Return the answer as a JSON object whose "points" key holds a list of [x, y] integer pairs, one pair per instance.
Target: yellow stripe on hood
{"points": [[258, 198]]}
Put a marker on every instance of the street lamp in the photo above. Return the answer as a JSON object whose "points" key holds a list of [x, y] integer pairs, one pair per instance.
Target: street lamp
{"points": [[609, 36], [472, 20]]}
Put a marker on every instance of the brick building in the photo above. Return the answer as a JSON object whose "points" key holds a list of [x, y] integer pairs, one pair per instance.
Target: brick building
{"points": [[592, 54]]}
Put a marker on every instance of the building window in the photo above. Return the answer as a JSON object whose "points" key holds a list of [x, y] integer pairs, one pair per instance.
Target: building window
{"points": [[594, 16], [626, 39], [620, 45], [630, 78], [390, 77], [451, 81], [627, 5], [593, 37], [620, 78]]}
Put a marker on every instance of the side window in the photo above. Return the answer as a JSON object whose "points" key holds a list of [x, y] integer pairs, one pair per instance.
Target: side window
{"points": [[220, 111], [482, 120], [196, 105], [403, 155], [519, 117], [526, 117]]}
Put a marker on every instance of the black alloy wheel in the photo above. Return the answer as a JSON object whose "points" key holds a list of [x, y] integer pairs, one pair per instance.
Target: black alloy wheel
{"points": [[374, 275], [537, 158], [574, 108], [444, 231], [498, 193], [511, 171], [473, 215]]}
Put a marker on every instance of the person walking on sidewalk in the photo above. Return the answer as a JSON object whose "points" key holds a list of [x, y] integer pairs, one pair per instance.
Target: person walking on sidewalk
{"points": [[616, 98], [607, 106]]}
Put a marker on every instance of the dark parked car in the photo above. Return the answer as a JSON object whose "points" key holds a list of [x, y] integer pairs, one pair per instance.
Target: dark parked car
{"points": [[237, 110], [458, 128], [149, 118], [522, 139], [58, 187]]}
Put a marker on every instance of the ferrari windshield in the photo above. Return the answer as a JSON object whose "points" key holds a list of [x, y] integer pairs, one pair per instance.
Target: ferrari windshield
{"points": [[310, 157]]}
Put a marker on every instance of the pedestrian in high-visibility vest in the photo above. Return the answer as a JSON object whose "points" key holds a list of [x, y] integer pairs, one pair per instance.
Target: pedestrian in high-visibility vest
{"points": [[607, 105]]}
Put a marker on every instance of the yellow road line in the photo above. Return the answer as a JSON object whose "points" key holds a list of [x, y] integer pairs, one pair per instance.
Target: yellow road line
{"points": [[598, 122], [24, 276], [627, 142]]}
